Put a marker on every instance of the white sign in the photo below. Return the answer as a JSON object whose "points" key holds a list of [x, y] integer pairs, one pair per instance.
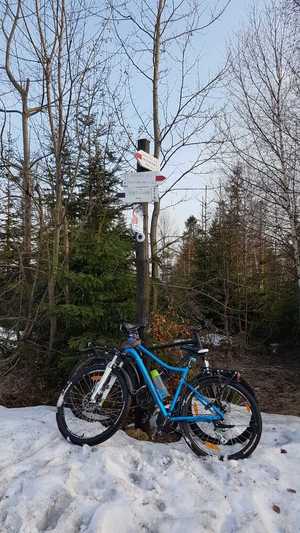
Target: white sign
{"points": [[146, 160], [138, 196], [142, 179], [141, 187], [139, 179]]}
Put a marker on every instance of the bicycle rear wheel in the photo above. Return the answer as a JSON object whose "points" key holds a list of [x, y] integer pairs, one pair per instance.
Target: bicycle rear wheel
{"points": [[83, 422], [235, 437]]}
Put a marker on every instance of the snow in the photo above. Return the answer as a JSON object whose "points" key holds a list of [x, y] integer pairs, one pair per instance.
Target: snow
{"points": [[129, 486], [8, 334], [215, 339]]}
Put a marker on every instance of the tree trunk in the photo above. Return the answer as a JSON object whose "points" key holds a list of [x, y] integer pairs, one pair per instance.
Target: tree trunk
{"points": [[154, 258], [157, 143], [296, 252], [66, 257], [55, 260], [27, 189]]}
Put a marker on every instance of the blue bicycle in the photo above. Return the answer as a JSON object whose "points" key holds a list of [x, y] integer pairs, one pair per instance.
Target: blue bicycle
{"points": [[216, 412]]}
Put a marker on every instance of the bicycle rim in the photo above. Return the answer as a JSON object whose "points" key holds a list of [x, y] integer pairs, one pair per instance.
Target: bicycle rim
{"points": [[234, 437], [84, 422]]}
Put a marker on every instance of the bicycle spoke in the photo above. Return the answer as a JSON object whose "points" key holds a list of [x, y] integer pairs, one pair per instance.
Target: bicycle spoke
{"points": [[230, 436], [86, 419]]}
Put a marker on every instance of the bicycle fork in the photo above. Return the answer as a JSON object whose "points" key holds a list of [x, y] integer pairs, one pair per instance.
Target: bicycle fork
{"points": [[106, 383]]}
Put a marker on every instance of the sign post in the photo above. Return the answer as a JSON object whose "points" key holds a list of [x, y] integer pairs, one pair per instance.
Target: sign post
{"points": [[141, 187], [142, 256], [142, 274]]}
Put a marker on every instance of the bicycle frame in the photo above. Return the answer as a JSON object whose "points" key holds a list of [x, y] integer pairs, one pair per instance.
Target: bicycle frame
{"points": [[167, 411]]}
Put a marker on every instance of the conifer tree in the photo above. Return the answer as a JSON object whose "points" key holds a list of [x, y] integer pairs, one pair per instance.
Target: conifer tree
{"points": [[99, 273]]}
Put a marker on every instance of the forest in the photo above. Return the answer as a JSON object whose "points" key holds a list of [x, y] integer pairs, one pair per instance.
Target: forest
{"points": [[81, 82]]}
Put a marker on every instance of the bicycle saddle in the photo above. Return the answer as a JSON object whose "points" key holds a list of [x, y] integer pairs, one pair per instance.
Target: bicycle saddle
{"points": [[128, 328]]}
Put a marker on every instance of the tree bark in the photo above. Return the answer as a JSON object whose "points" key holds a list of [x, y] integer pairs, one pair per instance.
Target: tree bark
{"points": [[27, 186], [157, 145]]}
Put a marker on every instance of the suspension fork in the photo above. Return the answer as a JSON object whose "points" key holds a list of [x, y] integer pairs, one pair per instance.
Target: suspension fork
{"points": [[104, 386], [206, 364]]}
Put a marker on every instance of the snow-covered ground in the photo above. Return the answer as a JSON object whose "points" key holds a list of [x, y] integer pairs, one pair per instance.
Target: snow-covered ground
{"points": [[129, 486], [215, 339], [8, 334]]}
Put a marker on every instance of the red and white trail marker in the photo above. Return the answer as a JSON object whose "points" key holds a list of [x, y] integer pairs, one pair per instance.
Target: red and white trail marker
{"points": [[134, 218], [142, 179], [147, 161]]}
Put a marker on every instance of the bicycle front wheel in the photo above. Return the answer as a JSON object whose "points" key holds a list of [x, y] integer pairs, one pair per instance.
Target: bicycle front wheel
{"points": [[83, 422], [235, 437]]}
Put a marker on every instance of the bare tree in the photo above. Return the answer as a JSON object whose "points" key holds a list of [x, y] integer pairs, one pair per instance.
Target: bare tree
{"points": [[20, 85], [265, 118], [52, 50], [161, 47]]}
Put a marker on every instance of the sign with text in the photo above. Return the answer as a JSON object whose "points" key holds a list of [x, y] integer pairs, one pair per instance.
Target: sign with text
{"points": [[141, 195], [146, 160], [142, 179], [141, 187]]}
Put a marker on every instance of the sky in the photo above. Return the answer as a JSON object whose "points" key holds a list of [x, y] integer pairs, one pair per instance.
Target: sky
{"points": [[180, 204], [214, 46]]}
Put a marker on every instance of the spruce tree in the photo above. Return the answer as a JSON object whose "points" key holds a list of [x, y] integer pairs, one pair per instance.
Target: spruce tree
{"points": [[100, 273]]}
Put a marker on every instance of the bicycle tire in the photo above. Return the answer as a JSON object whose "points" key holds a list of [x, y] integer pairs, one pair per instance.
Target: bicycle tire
{"points": [[202, 442], [228, 374], [111, 425]]}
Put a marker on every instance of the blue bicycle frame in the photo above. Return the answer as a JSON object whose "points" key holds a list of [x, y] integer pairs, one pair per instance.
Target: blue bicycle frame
{"points": [[167, 411]]}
